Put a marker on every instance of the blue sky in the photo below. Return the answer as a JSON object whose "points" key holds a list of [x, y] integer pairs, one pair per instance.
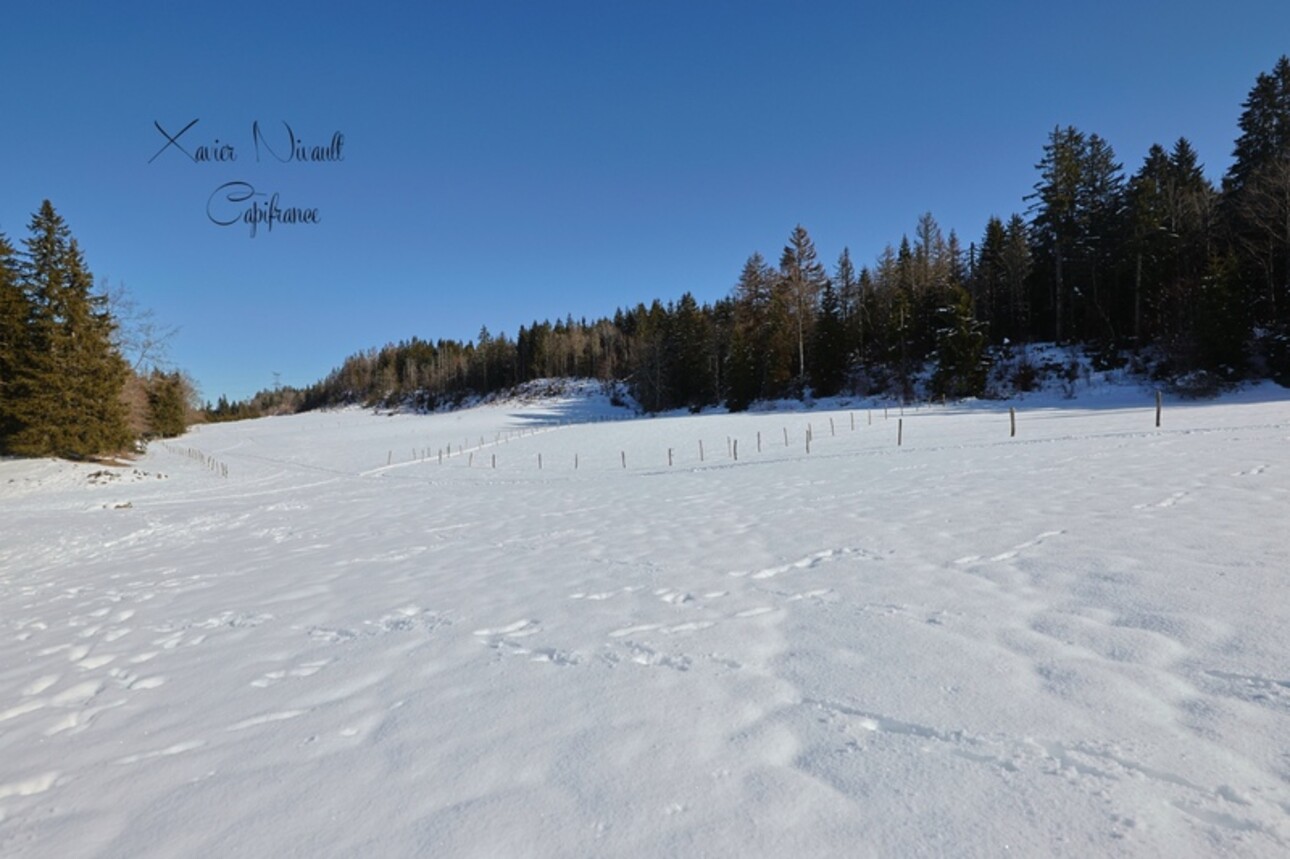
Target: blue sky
{"points": [[511, 161]]}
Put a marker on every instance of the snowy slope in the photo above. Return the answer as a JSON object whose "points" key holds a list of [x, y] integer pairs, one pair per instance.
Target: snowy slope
{"points": [[1073, 642]]}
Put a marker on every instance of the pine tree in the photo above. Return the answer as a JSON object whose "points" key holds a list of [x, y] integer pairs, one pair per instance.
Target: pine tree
{"points": [[689, 347], [1056, 222], [989, 279], [1256, 194], [960, 349], [761, 352], [829, 363], [15, 313], [67, 399], [1150, 239], [167, 404], [1078, 209], [1170, 204], [1102, 205], [802, 278], [1018, 263]]}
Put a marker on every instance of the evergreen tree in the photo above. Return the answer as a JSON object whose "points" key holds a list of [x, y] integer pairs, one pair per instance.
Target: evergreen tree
{"points": [[1018, 263], [1169, 212], [15, 313], [761, 351], [829, 350], [167, 404], [1256, 194], [67, 389], [989, 280], [1078, 210], [802, 278], [1057, 222], [1102, 212], [1150, 239], [689, 347], [960, 349]]}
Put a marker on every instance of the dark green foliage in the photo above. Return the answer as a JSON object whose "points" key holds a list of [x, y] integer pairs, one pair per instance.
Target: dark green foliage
{"points": [[829, 349], [1078, 222], [961, 368], [167, 404], [801, 279], [64, 395], [1256, 196], [15, 313]]}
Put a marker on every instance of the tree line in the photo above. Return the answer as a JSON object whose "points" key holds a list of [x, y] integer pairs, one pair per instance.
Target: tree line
{"points": [[66, 388], [1156, 261]]}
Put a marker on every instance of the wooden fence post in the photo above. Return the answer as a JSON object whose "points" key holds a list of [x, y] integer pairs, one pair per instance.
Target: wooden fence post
{"points": [[1158, 405], [900, 431], [1012, 419]]}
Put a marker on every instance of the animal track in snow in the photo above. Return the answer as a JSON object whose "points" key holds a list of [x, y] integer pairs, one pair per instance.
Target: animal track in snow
{"points": [[1168, 502], [1029, 544], [554, 656], [304, 669], [632, 630], [409, 618], [674, 597], [644, 655], [265, 719], [518, 629], [604, 595], [754, 612], [691, 626], [1098, 767], [1252, 687], [176, 749], [819, 595], [810, 562]]}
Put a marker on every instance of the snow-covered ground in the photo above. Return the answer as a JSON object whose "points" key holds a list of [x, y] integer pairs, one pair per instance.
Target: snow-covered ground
{"points": [[306, 636]]}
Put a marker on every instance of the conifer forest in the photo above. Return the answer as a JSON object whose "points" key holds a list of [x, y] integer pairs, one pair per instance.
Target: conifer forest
{"points": [[1148, 264]]}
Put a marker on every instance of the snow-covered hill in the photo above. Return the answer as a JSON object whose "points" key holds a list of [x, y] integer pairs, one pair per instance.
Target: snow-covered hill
{"points": [[313, 636]]}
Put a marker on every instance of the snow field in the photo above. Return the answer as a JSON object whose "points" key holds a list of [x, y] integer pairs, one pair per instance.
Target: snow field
{"points": [[1068, 643]]}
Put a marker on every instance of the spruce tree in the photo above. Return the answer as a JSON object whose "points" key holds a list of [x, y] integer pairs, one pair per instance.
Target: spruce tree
{"points": [[1057, 222], [960, 349], [802, 278], [167, 404], [15, 313], [67, 389], [988, 282], [829, 364], [1256, 195]]}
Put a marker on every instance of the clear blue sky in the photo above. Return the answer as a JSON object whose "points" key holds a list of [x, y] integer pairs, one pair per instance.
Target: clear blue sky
{"points": [[511, 161]]}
